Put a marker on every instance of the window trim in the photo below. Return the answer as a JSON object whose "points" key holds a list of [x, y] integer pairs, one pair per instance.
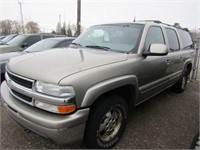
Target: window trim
{"points": [[161, 32]]}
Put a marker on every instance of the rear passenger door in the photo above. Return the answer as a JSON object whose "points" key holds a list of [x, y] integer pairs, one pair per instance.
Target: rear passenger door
{"points": [[177, 56]]}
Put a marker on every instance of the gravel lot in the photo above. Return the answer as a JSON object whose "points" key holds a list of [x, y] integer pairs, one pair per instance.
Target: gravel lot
{"points": [[167, 121]]}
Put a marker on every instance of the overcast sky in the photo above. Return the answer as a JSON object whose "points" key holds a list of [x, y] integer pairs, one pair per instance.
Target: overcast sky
{"points": [[46, 12]]}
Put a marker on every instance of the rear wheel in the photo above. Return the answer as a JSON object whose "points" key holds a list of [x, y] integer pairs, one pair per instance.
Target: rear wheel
{"points": [[106, 123], [181, 84]]}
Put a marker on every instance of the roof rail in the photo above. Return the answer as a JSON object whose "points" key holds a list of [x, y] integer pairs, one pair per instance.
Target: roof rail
{"points": [[155, 21], [158, 21]]}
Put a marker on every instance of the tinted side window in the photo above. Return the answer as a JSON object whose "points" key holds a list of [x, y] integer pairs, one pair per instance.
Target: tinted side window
{"points": [[64, 44], [186, 38], [154, 35], [32, 39], [173, 39]]}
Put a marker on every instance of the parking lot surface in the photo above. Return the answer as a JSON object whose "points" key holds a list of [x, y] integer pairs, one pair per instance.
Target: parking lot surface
{"points": [[168, 121]]}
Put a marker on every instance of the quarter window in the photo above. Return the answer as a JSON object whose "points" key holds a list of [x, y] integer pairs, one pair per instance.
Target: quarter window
{"points": [[154, 36], [186, 39], [173, 39]]}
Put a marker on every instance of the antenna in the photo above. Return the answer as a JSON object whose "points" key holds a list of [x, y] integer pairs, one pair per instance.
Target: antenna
{"points": [[21, 14], [134, 19]]}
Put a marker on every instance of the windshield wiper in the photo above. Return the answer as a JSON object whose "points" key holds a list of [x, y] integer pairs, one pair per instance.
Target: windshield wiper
{"points": [[98, 47], [77, 44]]}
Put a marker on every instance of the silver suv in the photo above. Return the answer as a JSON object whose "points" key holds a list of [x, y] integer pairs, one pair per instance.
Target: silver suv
{"points": [[87, 91]]}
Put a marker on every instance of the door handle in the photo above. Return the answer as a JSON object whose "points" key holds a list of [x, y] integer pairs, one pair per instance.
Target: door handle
{"points": [[167, 61]]}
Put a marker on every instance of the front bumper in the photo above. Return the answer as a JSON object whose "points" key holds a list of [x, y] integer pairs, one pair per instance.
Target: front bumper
{"points": [[61, 129]]}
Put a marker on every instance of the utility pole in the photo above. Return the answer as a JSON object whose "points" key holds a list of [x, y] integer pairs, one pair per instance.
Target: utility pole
{"points": [[78, 17], [21, 13]]}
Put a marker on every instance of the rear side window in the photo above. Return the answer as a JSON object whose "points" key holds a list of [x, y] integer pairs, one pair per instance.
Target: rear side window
{"points": [[47, 36], [186, 39], [154, 36], [173, 39], [32, 39]]}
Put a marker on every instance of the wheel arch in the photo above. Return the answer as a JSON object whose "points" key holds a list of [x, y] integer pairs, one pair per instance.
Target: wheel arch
{"points": [[125, 86], [188, 65]]}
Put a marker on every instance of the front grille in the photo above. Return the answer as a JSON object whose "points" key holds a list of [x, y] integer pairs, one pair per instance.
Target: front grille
{"points": [[22, 96], [20, 81]]}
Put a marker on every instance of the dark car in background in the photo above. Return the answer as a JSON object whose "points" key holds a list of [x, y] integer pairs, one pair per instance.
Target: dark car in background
{"points": [[7, 39], [23, 41], [42, 45]]}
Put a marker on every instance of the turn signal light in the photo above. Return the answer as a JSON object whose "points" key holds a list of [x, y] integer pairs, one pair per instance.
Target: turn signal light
{"points": [[66, 109]]}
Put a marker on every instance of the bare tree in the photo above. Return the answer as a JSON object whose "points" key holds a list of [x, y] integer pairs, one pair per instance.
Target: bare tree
{"points": [[75, 31], [69, 30], [16, 27], [63, 29], [6, 27], [32, 27], [58, 28], [10, 27]]}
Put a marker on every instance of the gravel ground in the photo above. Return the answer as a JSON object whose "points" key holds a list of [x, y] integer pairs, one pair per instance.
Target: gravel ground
{"points": [[167, 121]]}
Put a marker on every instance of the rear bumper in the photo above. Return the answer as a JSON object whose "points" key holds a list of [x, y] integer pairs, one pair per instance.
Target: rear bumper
{"points": [[61, 129]]}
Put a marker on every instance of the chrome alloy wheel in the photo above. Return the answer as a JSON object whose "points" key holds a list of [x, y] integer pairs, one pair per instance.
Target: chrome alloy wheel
{"points": [[110, 124]]}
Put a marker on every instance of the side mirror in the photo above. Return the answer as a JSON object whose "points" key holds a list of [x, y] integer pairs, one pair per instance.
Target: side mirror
{"points": [[156, 50], [24, 45]]}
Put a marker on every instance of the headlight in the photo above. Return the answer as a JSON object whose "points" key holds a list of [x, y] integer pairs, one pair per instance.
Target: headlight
{"points": [[54, 90], [64, 92]]}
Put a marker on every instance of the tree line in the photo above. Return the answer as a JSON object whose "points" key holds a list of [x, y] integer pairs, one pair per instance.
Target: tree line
{"points": [[14, 27]]}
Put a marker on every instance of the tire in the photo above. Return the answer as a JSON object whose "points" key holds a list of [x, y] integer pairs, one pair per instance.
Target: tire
{"points": [[106, 123], [195, 142], [2, 78], [181, 84]]}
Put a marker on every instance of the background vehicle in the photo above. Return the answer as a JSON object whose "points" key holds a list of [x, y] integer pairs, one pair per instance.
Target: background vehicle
{"points": [[50, 43], [22, 41], [87, 91], [42, 45], [2, 37], [7, 39]]}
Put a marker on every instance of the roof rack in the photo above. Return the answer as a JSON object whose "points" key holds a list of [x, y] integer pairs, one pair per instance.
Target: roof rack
{"points": [[155, 21], [158, 21]]}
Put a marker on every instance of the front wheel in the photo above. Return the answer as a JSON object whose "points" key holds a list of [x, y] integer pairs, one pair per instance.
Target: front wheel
{"points": [[106, 123]]}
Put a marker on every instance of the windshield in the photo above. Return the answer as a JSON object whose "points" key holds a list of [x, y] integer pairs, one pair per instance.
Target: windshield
{"points": [[8, 38], [42, 45], [17, 40], [122, 38]]}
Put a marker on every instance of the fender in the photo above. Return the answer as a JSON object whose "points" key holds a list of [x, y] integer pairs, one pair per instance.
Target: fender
{"points": [[188, 61], [103, 87]]}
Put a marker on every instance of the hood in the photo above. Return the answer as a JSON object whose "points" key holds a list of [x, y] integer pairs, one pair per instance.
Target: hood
{"points": [[7, 49], [7, 56], [52, 66]]}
